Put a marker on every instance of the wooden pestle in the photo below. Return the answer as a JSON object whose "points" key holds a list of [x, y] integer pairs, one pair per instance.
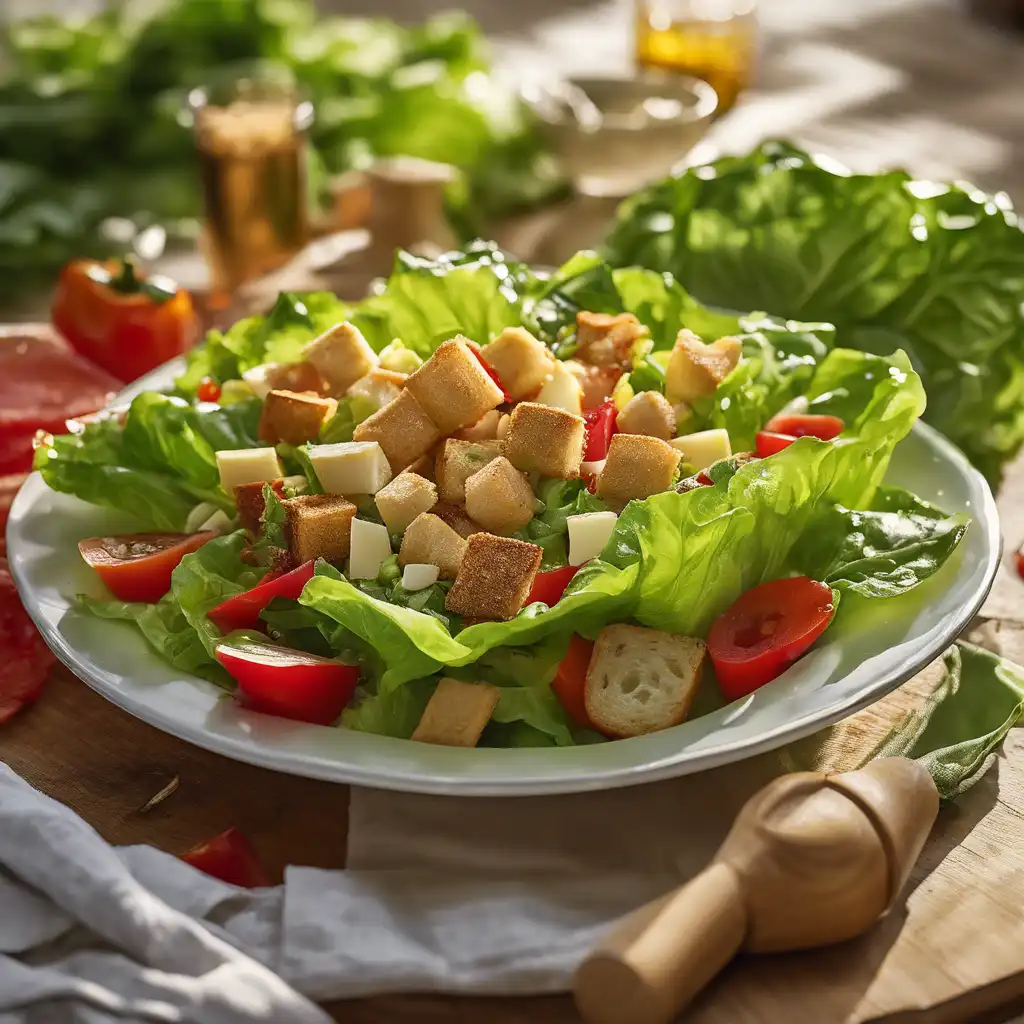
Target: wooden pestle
{"points": [[811, 859]]}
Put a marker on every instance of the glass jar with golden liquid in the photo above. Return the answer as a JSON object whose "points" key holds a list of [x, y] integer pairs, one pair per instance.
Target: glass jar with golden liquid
{"points": [[714, 40]]}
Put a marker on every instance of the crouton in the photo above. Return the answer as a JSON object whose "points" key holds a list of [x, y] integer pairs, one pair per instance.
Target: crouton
{"points": [[455, 516], [495, 577], [648, 413], [520, 361], [606, 340], [318, 526], [456, 713], [341, 356], [695, 370], [423, 466], [457, 461], [430, 540], [294, 418], [545, 440], [453, 388], [350, 467], [504, 421], [562, 390], [637, 467], [251, 504], [402, 428], [485, 428], [598, 383], [378, 386], [499, 497], [402, 500], [641, 680], [299, 377]]}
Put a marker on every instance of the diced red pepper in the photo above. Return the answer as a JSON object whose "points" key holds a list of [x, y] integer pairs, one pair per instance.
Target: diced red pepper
{"points": [[771, 444], [208, 390], [600, 423], [243, 610], [491, 372], [570, 682], [549, 587], [231, 858]]}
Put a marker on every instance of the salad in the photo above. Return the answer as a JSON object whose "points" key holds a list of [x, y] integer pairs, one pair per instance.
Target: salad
{"points": [[491, 506]]}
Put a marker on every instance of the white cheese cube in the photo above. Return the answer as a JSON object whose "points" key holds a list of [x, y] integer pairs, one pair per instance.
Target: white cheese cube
{"points": [[256, 378], [592, 468], [562, 391], [351, 467], [369, 547], [220, 522], [203, 511], [588, 535], [419, 576], [703, 448], [247, 466]]}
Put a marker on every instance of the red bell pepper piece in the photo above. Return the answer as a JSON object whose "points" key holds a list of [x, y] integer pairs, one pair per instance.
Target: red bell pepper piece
{"points": [[802, 424], [243, 610], [231, 858], [771, 444], [550, 586], [570, 682], [600, 427], [490, 371]]}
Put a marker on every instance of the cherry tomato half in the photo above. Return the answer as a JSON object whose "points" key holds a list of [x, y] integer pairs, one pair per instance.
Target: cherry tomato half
{"points": [[766, 630], [231, 858], [550, 586], [600, 425], [243, 610], [825, 428], [208, 390], [138, 566], [570, 681]]}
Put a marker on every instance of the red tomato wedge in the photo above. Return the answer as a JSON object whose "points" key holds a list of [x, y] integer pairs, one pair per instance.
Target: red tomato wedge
{"points": [[290, 684], [771, 444], [550, 586], [570, 682], [825, 428], [766, 630], [243, 610], [231, 858], [600, 428], [138, 566]]}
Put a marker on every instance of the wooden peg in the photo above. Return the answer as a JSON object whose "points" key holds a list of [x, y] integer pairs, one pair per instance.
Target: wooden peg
{"points": [[812, 859]]}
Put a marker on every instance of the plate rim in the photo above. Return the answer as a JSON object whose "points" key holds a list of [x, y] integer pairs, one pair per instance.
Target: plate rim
{"points": [[290, 762]]}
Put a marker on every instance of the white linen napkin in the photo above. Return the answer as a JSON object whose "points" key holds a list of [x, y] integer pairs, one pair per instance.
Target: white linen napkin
{"points": [[441, 894]]}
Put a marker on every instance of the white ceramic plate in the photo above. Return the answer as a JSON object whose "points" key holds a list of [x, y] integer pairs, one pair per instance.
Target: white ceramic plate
{"points": [[852, 667]]}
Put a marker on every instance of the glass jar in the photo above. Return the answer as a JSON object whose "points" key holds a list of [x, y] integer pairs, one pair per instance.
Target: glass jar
{"points": [[715, 40]]}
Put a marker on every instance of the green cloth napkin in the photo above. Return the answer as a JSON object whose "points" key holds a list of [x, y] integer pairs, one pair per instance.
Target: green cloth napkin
{"points": [[954, 728]]}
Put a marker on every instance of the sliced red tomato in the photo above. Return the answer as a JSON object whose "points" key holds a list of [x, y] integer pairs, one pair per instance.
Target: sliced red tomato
{"points": [[243, 610], [794, 424], [138, 566], [550, 586], [290, 684], [25, 661], [766, 630], [771, 444], [600, 428], [570, 681], [231, 858], [490, 371]]}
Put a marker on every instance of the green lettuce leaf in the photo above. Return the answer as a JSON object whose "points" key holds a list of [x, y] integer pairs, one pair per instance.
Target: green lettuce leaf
{"points": [[935, 270]]}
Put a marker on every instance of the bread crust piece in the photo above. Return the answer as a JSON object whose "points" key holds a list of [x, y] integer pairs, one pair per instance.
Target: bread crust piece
{"points": [[499, 497], [494, 578], [545, 440], [457, 461], [294, 418], [318, 526], [642, 680], [453, 387], [403, 499], [648, 413], [457, 713], [637, 467], [341, 356], [520, 360], [402, 429], [251, 504], [429, 540]]}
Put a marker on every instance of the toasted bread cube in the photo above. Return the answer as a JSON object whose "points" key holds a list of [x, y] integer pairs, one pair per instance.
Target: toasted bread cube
{"points": [[648, 413], [429, 539], [637, 467], [301, 377], [402, 429], [251, 504], [350, 467], [499, 497], [341, 356], [379, 386], [247, 466], [545, 440], [642, 680], [457, 461], [455, 516], [485, 428], [520, 360], [562, 390], [704, 448], [495, 577], [318, 526], [606, 340], [402, 500], [457, 713], [453, 388], [504, 422], [294, 418], [695, 370]]}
